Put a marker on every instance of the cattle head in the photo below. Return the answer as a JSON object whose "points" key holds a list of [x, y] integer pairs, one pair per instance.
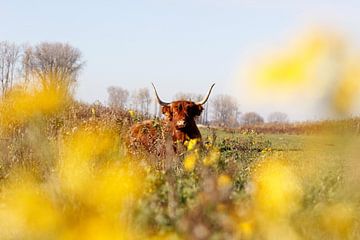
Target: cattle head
{"points": [[181, 116]]}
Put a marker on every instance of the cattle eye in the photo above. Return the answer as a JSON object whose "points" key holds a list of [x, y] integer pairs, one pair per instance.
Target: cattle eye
{"points": [[180, 108]]}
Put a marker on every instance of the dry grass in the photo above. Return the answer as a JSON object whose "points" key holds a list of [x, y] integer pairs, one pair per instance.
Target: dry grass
{"points": [[65, 173]]}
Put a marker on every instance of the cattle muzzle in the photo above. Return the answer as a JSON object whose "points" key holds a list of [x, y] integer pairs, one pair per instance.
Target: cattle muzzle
{"points": [[180, 124]]}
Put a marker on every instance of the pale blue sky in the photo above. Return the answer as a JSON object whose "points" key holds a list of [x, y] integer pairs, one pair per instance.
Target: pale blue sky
{"points": [[179, 45]]}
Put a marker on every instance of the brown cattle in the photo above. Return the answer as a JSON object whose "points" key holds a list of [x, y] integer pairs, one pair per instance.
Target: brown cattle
{"points": [[179, 123]]}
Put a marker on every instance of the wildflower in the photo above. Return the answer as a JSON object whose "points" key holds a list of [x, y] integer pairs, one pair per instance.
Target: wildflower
{"points": [[132, 113], [338, 219], [347, 90], [78, 152], [191, 144], [298, 64], [246, 228], [27, 210], [212, 157], [223, 181], [277, 190], [190, 161], [21, 105]]}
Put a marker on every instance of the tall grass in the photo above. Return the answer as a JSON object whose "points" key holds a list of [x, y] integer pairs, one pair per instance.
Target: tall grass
{"points": [[66, 173]]}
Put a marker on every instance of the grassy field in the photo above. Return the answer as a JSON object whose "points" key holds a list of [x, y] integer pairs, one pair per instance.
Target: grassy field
{"points": [[326, 167], [66, 172], [290, 142]]}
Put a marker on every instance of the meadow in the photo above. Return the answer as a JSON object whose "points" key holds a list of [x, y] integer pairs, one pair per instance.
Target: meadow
{"points": [[66, 173]]}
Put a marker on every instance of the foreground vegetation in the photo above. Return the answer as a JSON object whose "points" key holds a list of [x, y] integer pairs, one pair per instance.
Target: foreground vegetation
{"points": [[66, 173]]}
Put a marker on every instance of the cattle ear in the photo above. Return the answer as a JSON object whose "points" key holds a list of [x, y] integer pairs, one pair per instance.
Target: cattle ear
{"points": [[166, 111], [198, 109]]}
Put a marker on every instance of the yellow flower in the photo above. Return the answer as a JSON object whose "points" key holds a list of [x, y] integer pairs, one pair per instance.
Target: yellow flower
{"points": [[21, 104], [338, 219], [224, 181], [246, 228], [132, 113], [77, 154], [347, 90], [190, 161], [27, 210], [277, 189], [191, 144], [212, 157], [298, 64]]}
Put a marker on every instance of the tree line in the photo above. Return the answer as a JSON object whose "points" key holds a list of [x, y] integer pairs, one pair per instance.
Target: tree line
{"points": [[222, 110], [57, 65], [46, 65]]}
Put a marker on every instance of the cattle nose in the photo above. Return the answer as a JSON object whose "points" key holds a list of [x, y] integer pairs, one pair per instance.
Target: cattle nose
{"points": [[180, 124]]}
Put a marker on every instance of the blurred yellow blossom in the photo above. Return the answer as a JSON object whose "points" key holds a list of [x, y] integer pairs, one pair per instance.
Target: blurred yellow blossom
{"points": [[338, 219], [78, 154], [246, 228], [27, 210], [115, 187], [319, 66], [347, 90], [299, 63], [212, 157], [132, 113], [224, 181], [88, 185], [22, 104], [191, 144], [190, 161], [277, 189]]}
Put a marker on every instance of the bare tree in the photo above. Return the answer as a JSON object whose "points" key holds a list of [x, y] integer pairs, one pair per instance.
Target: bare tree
{"points": [[225, 110], [251, 118], [118, 97], [26, 63], [141, 100], [157, 109], [9, 65], [145, 97], [204, 118], [188, 96], [55, 65], [134, 97], [278, 117]]}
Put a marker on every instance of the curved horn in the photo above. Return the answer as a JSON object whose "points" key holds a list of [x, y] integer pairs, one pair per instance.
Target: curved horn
{"points": [[158, 98], [206, 97]]}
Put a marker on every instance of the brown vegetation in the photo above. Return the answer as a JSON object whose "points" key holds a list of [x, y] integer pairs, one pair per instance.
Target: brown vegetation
{"points": [[307, 127]]}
